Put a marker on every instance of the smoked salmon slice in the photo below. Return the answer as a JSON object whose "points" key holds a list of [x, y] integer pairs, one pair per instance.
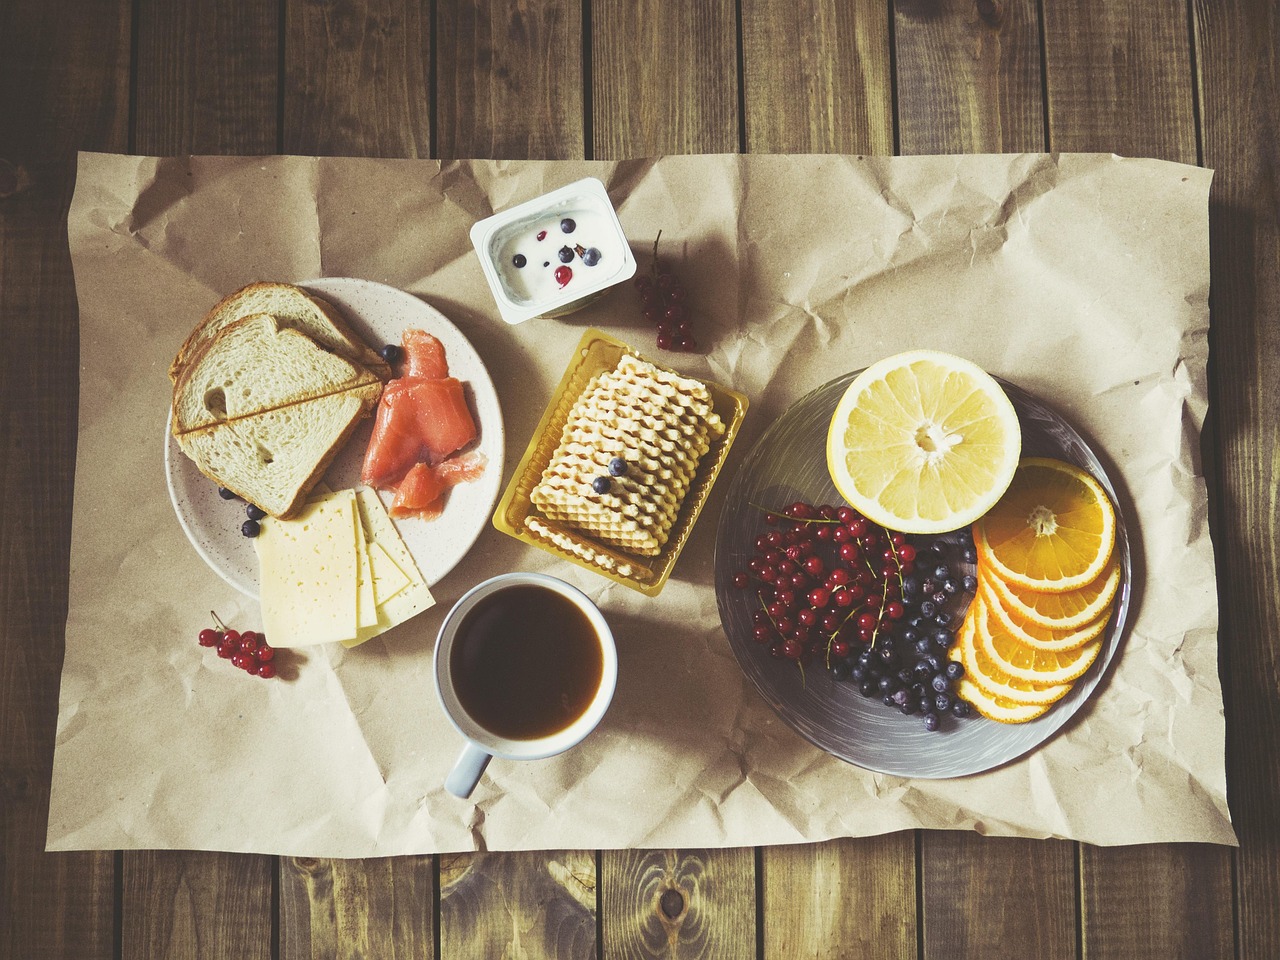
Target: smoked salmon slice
{"points": [[419, 493], [422, 421]]}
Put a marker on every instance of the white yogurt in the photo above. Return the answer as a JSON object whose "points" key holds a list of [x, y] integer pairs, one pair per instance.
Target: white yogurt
{"points": [[555, 253]]}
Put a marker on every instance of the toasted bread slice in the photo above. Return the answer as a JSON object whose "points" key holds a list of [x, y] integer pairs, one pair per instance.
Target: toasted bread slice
{"points": [[274, 458], [292, 307], [255, 365]]}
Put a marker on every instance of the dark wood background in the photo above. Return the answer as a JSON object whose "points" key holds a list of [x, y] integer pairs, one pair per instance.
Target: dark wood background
{"points": [[1197, 82]]}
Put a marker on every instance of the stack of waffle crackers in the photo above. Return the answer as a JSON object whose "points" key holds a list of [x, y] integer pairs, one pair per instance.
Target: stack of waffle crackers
{"points": [[660, 424]]}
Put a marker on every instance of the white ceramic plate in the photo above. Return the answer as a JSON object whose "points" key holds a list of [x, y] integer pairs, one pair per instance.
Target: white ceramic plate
{"points": [[379, 314]]}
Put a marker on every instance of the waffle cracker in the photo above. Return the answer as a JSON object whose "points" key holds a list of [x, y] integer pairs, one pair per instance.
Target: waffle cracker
{"points": [[661, 424]]}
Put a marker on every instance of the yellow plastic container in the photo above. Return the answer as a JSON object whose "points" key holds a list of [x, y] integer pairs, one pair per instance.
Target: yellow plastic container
{"points": [[596, 353]]}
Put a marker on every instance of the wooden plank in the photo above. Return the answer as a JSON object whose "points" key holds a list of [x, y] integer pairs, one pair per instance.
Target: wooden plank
{"points": [[518, 905], [1155, 889], [664, 77], [349, 909], [357, 78], [842, 900], [988, 897], [207, 77], [207, 81], [509, 80], [196, 906], [51, 905], [1119, 78], [969, 76], [816, 77], [678, 903], [1239, 66], [979, 894]]}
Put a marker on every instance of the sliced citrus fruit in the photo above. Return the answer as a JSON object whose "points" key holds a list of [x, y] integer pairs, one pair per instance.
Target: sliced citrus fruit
{"points": [[983, 671], [1052, 531], [1033, 635], [998, 708], [923, 442], [1027, 663], [1058, 611]]}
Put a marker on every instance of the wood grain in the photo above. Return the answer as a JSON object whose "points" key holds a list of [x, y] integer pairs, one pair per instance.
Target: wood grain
{"points": [[816, 77], [1161, 901], [509, 80], [51, 905], [1119, 78], [997, 898], [523, 905], [1240, 101], [678, 904], [349, 909], [198, 906], [357, 78], [841, 900], [664, 77], [969, 76], [207, 77]]}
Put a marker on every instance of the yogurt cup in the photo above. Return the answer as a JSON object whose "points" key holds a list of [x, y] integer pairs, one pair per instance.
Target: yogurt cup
{"points": [[554, 254]]}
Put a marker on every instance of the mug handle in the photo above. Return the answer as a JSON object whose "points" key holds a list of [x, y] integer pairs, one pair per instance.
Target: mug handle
{"points": [[467, 771]]}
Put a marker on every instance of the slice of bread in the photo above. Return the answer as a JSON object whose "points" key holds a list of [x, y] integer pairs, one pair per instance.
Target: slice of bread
{"points": [[274, 458], [292, 307], [254, 365]]}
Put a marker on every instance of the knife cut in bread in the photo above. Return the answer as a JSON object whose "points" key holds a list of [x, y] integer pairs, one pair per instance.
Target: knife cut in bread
{"points": [[257, 364], [292, 307], [262, 410], [274, 458]]}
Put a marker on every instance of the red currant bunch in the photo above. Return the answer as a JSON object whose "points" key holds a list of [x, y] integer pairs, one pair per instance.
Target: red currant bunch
{"points": [[248, 650], [664, 303]]}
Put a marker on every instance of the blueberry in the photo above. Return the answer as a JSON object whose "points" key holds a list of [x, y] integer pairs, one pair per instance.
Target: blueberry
{"points": [[567, 225], [250, 528], [943, 637], [867, 688], [857, 673], [928, 608], [940, 683], [941, 572], [888, 684], [390, 353], [943, 702], [910, 586], [950, 586], [601, 484], [518, 261], [591, 256], [955, 670], [908, 708], [839, 671], [929, 586], [901, 698], [943, 619], [565, 254], [960, 709], [887, 700], [970, 555], [226, 494], [254, 512], [617, 467], [931, 721], [923, 647], [970, 583]]}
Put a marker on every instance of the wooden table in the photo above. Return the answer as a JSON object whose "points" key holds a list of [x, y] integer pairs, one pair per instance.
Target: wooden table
{"points": [[1197, 82]]}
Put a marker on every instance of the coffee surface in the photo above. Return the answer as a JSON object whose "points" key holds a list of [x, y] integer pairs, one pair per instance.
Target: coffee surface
{"points": [[526, 662]]}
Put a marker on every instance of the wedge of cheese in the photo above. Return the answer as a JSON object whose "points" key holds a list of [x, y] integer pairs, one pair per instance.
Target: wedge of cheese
{"points": [[336, 573]]}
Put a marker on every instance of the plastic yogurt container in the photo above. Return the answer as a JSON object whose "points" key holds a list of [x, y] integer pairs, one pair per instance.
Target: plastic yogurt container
{"points": [[553, 254]]}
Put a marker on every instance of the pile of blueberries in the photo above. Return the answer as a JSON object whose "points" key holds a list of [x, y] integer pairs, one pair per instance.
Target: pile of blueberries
{"points": [[907, 667]]}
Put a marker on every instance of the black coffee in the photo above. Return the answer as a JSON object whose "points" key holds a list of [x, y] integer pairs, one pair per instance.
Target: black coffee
{"points": [[526, 662]]}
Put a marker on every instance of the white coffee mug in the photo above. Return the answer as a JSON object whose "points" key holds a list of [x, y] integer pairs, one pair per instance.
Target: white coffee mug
{"points": [[483, 743]]}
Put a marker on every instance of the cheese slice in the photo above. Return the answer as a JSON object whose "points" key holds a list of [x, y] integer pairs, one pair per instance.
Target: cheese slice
{"points": [[308, 573], [366, 595], [388, 579], [414, 596]]}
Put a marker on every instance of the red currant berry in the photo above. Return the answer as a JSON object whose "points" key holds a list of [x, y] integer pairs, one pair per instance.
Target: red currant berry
{"points": [[807, 616], [563, 275], [895, 610], [225, 649], [867, 621], [741, 580], [763, 634], [233, 637], [209, 637], [839, 648], [820, 597], [266, 670]]}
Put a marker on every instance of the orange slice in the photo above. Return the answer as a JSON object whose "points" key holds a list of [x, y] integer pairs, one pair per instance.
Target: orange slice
{"points": [[994, 682], [1052, 531], [1057, 611], [1033, 635], [998, 708], [1027, 663], [923, 442]]}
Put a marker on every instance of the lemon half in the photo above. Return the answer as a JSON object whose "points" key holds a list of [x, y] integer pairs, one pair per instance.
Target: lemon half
{"points": [[923, 442]]}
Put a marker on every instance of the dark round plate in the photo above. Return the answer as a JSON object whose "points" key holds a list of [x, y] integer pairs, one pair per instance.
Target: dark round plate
{"points": [[789, 463]]}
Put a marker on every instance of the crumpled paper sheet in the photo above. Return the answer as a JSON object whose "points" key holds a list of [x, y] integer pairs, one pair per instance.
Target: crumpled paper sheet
{"points": [[1083, 278]]}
